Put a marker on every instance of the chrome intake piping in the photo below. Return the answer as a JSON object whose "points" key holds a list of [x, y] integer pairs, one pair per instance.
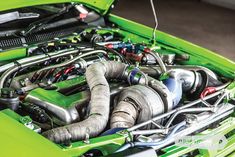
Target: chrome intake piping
{"points": [[191, 82], [155, 71], [188, 79]]}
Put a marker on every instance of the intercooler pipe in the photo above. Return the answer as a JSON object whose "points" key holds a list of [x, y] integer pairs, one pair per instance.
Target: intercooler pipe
{"points": [[175, 87], [155, 71], [180, 81], [190, 82], [96, 76]]}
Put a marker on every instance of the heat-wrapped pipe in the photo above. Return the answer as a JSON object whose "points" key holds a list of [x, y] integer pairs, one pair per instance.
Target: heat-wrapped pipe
{"points": [[96, 76]]}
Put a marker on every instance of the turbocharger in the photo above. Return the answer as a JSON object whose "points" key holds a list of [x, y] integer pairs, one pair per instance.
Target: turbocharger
{"points": [[140, 103], [136, 104]]}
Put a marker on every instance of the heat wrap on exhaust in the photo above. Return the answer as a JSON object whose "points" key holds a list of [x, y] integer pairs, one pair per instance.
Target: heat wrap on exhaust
{"points": [[96, 76]]}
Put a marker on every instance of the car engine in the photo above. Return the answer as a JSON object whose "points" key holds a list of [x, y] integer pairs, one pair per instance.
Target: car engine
{"points": [[94, 80]]}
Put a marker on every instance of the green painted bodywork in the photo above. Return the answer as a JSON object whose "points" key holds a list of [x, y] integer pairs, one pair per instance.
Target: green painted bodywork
{"points": [[198, 55], [17, 140], [16, 54], [106, 144]]}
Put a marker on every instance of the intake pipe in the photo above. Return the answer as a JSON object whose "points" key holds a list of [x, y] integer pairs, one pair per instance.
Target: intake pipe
{"points": [[180, 81], [96, 76], [190, 82], [155, 71]]}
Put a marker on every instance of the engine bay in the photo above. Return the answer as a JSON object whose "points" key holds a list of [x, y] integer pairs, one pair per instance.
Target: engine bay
{"points": [[93, 79]]}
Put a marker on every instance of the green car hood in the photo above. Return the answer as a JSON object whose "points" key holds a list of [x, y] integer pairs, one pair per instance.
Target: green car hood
{"points": [[101, 6]]}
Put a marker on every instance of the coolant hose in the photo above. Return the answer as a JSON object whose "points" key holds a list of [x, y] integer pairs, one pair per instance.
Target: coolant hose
{"points": [[96, 76]]}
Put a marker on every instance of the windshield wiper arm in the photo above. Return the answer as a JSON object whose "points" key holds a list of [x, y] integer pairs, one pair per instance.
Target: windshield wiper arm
{"points": [[44, 21]]}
